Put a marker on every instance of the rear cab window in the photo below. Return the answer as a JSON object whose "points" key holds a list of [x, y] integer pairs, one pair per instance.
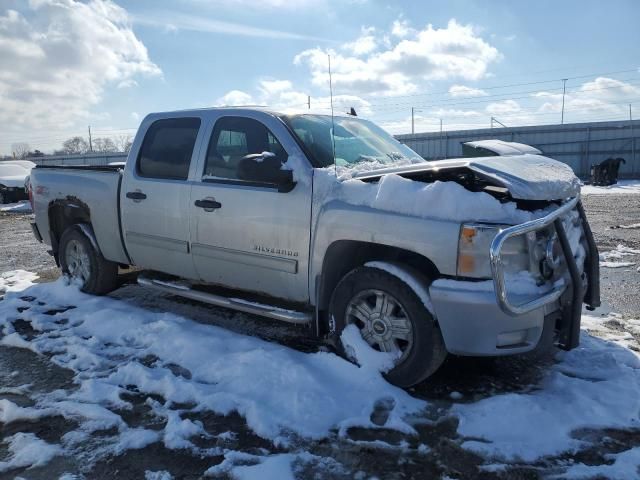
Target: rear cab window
{"points": [[167, 148]]}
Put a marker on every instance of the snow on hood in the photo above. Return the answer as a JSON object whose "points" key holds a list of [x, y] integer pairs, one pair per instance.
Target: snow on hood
{"points": [[530, 177], [501, 147], [527, 177], [438, 200], [13, 175]]}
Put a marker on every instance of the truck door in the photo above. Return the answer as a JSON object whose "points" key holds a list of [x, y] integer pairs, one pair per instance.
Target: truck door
{"points": [[248, 232], [155, 196]]}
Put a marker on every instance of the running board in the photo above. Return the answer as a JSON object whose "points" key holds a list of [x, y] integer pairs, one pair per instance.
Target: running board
{"points": [[276, 313]]}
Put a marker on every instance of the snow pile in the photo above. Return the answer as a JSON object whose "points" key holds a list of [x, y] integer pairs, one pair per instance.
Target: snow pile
{"points": [[362, 353], [282, 393], [20, 207], [15, 281], [158, 475], [619, 253], [596, 385], [623, 187], [27, 450], [625, 466], [243, 466], [437, 200]]}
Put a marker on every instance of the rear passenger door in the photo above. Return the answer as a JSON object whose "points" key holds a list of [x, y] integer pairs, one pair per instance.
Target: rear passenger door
{"points": [[155, 196], [247, 233]]}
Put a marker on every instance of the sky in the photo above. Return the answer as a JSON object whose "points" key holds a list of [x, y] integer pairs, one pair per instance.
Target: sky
{"points": [[68, 64]]}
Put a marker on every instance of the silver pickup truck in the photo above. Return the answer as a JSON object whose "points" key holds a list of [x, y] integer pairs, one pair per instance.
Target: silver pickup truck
{"points": [[329, 221]]}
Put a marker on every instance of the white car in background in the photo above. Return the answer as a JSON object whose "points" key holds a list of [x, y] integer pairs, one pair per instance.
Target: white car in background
{"points": [[14, 177]]}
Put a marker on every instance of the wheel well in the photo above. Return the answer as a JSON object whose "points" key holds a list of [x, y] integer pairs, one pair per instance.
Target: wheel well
{"points": [[345, 255], [63, 214]]}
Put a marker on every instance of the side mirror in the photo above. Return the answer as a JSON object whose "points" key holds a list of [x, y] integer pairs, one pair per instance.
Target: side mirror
{"points": [[286, 183], [260, 167]]}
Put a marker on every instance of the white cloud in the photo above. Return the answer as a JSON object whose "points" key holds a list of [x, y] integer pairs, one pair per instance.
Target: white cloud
{"points": [[364, 44], [601, 96], [401, 28], [281, 95], [457, 91], [57, 59], [171, 22], [504, 107], [235, 98], [429, 54], [259, 4]]}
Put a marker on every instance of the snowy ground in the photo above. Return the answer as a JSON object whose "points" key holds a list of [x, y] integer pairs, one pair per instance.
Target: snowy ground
{"points": [[19, 207], [135, 381], [623, 187], [141, 385]]}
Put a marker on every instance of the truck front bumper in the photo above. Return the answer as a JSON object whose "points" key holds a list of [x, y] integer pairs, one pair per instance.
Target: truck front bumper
{"points": [[480, 318], [472, 323]]}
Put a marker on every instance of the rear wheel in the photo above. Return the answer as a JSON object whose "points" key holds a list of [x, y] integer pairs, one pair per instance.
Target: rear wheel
{"points": [[391, 318], [84, 264]]}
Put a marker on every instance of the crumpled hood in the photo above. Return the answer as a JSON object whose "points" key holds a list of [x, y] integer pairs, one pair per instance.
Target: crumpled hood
{"points": [[527, 177]]}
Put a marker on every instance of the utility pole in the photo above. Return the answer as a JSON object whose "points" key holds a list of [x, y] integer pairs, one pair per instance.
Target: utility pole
{"points": [[441, 139], [633, 141], [564, 90], [309, 101], [413, 130], [90, 143]]}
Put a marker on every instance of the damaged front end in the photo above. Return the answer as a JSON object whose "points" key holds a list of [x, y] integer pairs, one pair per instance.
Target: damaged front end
{"points": [[579, 262], [556, 251]]}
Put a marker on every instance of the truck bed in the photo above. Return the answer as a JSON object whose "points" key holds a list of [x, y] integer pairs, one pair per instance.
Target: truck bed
{"points": [[92, 188]]}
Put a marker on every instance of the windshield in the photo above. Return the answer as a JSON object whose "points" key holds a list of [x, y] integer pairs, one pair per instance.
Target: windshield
{"points": [[356, 140]]}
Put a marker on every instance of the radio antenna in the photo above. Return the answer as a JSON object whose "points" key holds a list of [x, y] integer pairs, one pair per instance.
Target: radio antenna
{"points": [[333, 126]]}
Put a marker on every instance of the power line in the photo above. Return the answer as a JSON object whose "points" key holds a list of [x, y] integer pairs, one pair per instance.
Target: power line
{"points": [[523, 84]]}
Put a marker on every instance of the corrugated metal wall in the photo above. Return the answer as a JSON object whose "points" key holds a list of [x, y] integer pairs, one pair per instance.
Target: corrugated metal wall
{"points": [[577, 144], [87, 159]]}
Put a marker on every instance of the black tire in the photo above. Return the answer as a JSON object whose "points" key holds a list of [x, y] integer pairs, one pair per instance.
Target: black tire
{"points": [[101, 275], [425, 353]]}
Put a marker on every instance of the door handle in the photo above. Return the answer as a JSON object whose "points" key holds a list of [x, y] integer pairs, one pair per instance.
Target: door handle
{"points": [[208, 204], [136, 196]]}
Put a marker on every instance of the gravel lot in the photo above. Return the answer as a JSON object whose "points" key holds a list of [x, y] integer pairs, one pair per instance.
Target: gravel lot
{"points": [[470, 378]]}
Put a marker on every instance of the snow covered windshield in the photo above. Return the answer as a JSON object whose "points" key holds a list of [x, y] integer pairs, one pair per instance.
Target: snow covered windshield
{"points": [[356, 140]]}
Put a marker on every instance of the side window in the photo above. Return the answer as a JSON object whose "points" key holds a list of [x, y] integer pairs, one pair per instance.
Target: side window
{"points": [[167, 148], [244, 149]]}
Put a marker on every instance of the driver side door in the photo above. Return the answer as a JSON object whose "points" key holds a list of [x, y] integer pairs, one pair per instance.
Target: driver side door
{"points": [[246, 231]]}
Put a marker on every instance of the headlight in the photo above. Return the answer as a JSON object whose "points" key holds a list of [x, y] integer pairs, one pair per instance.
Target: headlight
{"points": [[473, 251]]}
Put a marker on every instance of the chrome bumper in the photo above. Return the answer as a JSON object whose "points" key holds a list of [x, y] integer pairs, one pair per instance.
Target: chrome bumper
{"points": [[569, 328], [497, 267]]}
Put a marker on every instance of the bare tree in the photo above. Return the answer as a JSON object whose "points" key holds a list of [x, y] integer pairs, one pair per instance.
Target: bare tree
{"points": [[104, 145], [75, 146], [20, 150], [123, 143]]}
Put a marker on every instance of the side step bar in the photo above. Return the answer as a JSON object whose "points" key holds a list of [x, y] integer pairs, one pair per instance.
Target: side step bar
{"points": [[290, 316]]}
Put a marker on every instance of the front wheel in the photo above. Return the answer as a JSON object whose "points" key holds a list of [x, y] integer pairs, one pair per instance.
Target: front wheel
{"points": [[391, 318], [84, 264]]}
